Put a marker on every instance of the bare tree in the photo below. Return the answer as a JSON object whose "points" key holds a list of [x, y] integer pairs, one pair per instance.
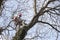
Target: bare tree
{"points": [[44, 9], [21, 33]]}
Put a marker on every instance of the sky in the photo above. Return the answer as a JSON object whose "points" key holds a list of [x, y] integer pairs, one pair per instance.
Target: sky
{"points": [[45, 31]]}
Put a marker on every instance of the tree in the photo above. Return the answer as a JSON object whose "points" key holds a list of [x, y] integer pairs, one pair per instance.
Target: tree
{"points": [[22, 32], [45, 9]]}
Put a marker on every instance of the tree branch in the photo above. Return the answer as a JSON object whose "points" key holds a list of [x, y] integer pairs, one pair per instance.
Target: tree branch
{"points": [[49, 25], [49, 9], [0, 6], [35, 10]]}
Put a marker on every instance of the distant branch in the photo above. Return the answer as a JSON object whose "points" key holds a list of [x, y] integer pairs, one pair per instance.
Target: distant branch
{"points": [[1, 6], [54, 13], [1, 1]]}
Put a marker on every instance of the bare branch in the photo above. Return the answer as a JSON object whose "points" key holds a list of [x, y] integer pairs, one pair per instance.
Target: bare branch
{"points": [[8, 25], [57, 36], [43, 3], [35, 10], [49, 9], [49, 25], [54, 13], [1, 2], [0, 6]]}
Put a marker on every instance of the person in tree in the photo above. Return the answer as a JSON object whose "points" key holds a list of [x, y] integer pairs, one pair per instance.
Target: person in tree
{"points": [[17, 19]]}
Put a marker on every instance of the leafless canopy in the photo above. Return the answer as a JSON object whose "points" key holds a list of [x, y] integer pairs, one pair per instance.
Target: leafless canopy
{"points": [[22, 32]]}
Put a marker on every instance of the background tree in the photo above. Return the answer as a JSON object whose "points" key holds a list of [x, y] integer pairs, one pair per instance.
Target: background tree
{"points": [[46, 13]]}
